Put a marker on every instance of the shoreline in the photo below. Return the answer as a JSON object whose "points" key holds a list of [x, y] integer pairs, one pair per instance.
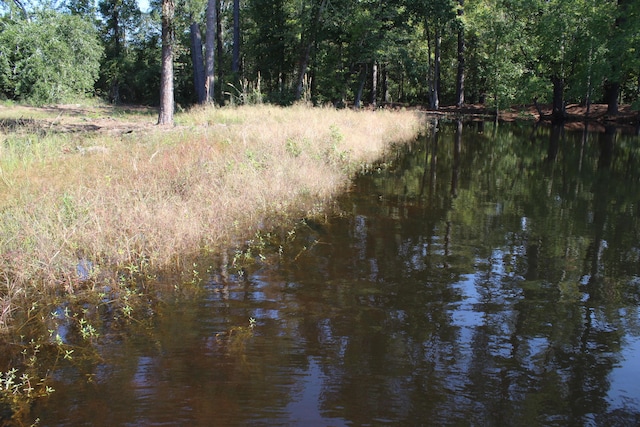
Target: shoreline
{"points": [[254, 163], [103, 187], [596, 119]]}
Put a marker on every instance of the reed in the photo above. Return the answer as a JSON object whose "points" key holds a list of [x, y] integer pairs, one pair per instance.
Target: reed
{"points": [[151, 196]]}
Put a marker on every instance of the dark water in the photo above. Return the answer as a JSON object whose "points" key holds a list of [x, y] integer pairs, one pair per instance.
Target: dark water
{"points": [[480, 276]]}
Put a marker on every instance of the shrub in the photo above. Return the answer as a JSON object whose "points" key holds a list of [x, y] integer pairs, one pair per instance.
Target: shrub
{"points": [[53, 58]]}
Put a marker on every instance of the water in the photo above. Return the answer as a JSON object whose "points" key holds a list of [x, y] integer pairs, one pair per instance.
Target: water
{"points": [[480, 276]]}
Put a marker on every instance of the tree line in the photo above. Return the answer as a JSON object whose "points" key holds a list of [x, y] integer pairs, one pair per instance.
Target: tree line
{"points": [[346, 52]]}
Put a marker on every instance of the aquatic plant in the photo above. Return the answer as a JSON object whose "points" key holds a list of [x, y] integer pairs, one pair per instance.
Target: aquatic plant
{"points": [[20, 386]]}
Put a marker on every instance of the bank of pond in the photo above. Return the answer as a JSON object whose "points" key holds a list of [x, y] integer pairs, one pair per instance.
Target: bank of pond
{"points": [[486, 273]]}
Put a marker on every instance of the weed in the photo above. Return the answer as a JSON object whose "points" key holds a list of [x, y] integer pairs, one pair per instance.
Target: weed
{"points": [[157, 196], [336, 135], [293, 147], [19, 387], [247, 93]]}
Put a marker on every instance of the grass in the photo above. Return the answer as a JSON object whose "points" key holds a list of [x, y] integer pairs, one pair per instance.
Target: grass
{"points": [[77, 185]]}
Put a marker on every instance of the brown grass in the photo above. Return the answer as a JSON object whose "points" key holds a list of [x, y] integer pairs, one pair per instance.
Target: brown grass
{"points": [[154, 195]]}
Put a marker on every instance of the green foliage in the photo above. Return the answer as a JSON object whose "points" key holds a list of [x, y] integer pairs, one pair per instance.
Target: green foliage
{"points": [[20, 387], [131, 67], [514, 49], [272, 35], [53, 58]]}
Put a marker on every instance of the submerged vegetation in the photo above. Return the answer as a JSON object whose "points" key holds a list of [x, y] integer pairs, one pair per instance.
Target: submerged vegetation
{"points": [[99, 207]]}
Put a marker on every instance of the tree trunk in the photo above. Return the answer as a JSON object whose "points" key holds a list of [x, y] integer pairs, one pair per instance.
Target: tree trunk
{"points": [[559, 113], [210, 44], [235, 62], [114, 92], [611, 93], [374, 84], [612, 86], [363, 78], [22, 9], [384, 84], [435, 97], [220, 51], [166, 76], [196, 58], [307, 46], [461, 51]]}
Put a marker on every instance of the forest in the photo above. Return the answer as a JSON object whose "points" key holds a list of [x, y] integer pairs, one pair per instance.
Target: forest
{"points": [[344, 53]]}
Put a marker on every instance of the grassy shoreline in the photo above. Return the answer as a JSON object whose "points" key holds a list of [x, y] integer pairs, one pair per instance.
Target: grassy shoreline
{"points": [[104, 188]]}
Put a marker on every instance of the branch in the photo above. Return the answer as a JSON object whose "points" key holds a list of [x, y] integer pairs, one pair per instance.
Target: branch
{"points": [[22, 8]]}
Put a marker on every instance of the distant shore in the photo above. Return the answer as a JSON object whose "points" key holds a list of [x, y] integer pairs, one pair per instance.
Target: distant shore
{"points": [[596, 117]]}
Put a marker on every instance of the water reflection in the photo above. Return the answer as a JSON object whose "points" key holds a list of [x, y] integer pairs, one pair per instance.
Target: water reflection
{"points": [[481, 276]]}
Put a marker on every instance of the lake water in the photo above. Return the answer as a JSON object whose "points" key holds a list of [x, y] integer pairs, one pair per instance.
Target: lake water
{"points": [[482, 275]]}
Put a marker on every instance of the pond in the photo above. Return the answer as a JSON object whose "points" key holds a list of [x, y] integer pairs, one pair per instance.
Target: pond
{"points": [[482, 275]]}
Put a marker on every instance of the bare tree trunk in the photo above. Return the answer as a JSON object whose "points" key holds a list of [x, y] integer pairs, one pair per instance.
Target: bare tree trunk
{"points": [[357, 103], [612, 85], [209, 53], [22, 9], [196, 58], [461, 51], [385, 84], [435, 100], [219, 48], [235, 63], [166, 77], [374, 84], [559, 113], [611, 93]]}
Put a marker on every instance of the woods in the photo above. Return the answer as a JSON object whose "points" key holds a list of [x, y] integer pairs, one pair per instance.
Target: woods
{"points": [[347, 53]]}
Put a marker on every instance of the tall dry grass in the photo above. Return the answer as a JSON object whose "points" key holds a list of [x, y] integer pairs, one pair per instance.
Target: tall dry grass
{"points": [[152, 196]]}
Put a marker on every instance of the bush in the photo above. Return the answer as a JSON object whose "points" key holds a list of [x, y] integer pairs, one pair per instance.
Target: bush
{"points": [[53, 58]]}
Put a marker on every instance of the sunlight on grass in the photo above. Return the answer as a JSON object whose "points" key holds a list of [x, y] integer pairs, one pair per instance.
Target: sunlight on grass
{"points": [[153, 195]]}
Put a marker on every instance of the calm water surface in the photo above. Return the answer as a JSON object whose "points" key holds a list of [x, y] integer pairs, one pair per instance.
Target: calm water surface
{"points": [[480, 276]]}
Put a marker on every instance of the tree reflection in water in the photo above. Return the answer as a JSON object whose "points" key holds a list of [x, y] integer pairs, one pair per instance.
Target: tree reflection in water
{"points": [[484, 275]]}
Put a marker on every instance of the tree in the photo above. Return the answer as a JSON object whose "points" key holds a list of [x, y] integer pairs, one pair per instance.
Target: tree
{"points": [[461, 49], [623, 55], [502, 53], [19, 5], [55, 57], [199, 82], [210, 52], [437, 17], [165, 116], [308, 40], [431, 52], [271, 44], [120, 20], [235, 63], [219, 48], [84, 8]]}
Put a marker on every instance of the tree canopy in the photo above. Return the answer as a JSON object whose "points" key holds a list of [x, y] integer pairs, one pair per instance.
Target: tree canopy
{"points": [[348, 52], [52, 57]]}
